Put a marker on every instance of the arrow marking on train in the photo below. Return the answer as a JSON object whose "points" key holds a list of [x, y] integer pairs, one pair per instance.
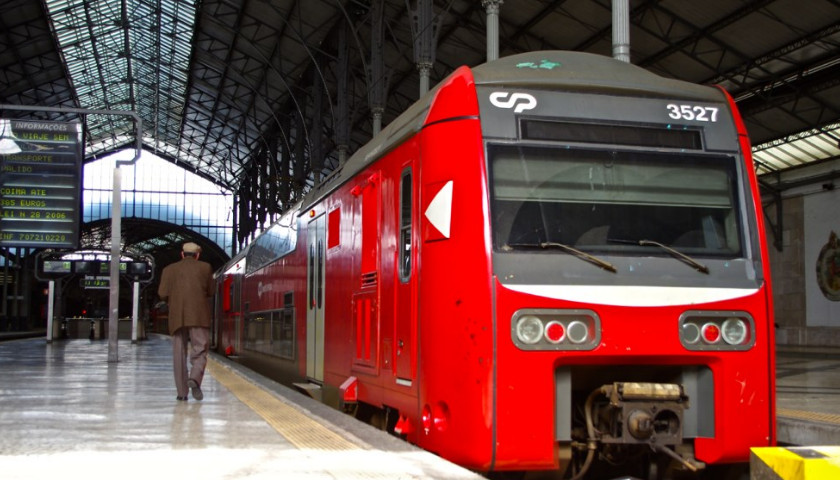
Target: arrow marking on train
{"points": [[439, 211]]}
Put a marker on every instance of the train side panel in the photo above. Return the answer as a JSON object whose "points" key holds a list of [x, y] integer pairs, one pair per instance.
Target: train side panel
{"points": [[455, 299], [273, 310], [362, 285]]}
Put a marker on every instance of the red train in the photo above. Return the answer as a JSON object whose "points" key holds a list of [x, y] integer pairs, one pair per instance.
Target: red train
{"points": [[552, 261]]}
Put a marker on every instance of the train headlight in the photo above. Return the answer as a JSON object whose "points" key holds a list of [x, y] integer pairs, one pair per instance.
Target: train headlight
{"points": [[529, 329], [734, 331], [578, 332], [533, 329], [716, 330], [690, 333]]}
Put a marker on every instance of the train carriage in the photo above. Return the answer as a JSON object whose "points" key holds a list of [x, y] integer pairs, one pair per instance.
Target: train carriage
{"points": [[551, 260]]}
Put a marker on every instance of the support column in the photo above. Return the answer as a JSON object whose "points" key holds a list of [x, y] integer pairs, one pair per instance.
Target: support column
{"points": [[50, 310], [316, 148], [492, 7], [377, 81], [424, 28], [425, 70], [621, 30], [116, 240], [342, 153], [377, 119], [135, 311], [342, 110]]}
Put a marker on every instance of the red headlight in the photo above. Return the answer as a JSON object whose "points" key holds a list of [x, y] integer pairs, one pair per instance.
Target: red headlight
{"points": [[555, 332], [710, 332]]}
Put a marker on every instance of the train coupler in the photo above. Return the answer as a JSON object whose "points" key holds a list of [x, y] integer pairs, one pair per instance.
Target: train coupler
{"points": [[650, 413]]}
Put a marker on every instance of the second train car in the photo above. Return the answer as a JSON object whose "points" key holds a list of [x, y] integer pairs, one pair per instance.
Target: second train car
{"points": [[552, 261]]}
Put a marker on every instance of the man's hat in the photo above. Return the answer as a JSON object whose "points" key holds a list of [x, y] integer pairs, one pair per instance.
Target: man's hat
{"points": [[191, 247]]}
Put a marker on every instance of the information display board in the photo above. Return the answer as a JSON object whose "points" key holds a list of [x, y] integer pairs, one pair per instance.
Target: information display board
{"points": [[40, 183]]}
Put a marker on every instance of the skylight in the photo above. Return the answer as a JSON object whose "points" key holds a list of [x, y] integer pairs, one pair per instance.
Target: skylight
{"points": [[799, 149], [127, 55]]}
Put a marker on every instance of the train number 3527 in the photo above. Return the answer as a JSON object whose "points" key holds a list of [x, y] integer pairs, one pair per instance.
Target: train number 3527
{"points": [[692, 112]]}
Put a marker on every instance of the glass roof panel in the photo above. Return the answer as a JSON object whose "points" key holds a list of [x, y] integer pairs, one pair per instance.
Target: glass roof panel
{"points": [[135, 55], [800, 149], [127, 55]]}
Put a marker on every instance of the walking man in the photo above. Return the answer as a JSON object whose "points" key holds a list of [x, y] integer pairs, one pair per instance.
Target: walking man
{"points": [[186, 286]]}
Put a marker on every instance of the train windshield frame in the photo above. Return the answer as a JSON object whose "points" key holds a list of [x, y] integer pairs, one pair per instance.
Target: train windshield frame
{"points": [[613, 202]]}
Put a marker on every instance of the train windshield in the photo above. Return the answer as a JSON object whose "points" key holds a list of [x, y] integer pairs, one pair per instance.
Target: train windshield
{"points": [[614, 202]]}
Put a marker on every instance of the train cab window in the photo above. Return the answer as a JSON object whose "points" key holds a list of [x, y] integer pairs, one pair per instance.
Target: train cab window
{"points": [[405, 225], [610, 201]]}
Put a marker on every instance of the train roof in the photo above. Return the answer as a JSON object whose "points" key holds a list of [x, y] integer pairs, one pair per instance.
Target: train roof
{"points": [[551, 69], [585, 72]]}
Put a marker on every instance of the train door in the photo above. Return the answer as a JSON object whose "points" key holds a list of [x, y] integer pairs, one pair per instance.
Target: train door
{"points": [[366, 295], [405, 318], [316, 258]]}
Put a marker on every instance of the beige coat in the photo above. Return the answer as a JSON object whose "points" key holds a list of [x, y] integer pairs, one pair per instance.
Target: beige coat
{"points": [[187, 286]]}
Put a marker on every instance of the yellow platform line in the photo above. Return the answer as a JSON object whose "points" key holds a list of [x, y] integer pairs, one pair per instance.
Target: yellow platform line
{"points": [[301, 430], [810, 416]]}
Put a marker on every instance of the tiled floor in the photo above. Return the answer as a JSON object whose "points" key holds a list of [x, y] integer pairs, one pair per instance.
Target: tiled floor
{"points": [[66, 412], [808, 396]]}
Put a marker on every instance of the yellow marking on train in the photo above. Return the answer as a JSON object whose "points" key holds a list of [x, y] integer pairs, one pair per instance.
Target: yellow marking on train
{"points": [[301, 430], [811, 416]]}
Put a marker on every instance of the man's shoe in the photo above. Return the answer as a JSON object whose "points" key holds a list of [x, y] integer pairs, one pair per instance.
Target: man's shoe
{"points": [[195, 388], [181, 399]]}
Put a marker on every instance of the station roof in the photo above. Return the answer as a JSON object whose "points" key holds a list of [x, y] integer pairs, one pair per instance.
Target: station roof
{"points": [[220, 82]]}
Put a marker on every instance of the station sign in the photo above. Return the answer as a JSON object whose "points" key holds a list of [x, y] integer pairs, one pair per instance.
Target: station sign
{"points": [[92, 267], [40, 183], [96, 283]]}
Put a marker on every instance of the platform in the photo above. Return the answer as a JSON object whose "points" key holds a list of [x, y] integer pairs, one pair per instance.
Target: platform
{"points": [[808, 396], [66, 412], [64, 409]]}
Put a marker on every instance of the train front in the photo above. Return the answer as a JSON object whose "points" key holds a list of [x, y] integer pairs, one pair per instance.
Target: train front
{"points": [[632, 303]]}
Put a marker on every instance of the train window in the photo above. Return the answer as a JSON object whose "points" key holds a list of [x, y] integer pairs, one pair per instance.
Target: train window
{"points": [[283, 333], [257, 331], [608, 201], [334, 228], [405, 225], [370, 229], [271, 333], [227, 294], [278, 240]]}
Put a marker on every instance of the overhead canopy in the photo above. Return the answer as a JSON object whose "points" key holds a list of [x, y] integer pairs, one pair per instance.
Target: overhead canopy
{"points": [[242, 90]]}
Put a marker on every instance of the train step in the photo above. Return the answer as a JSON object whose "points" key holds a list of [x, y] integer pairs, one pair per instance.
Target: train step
{"points": [[312, 390]]}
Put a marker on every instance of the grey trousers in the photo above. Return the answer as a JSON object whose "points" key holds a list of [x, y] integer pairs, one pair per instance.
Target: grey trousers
{"points": [[199, 343]]}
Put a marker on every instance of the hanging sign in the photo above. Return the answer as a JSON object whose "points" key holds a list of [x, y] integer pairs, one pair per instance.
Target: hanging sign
{"points": [[40, 183]]}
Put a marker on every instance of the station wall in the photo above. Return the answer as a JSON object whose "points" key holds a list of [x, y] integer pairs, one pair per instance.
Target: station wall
{"points": [[806, 272]]}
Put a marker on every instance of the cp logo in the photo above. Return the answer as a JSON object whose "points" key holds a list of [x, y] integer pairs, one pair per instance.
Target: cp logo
{"points": [[518, 101]]}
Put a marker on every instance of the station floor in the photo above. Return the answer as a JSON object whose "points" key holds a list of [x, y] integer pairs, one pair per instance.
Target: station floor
{"points": [[808, 396], [66, 412]]}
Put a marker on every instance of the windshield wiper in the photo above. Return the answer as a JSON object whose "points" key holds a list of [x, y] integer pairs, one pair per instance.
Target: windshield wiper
{"points": [[676, 254], [569, 249]]}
